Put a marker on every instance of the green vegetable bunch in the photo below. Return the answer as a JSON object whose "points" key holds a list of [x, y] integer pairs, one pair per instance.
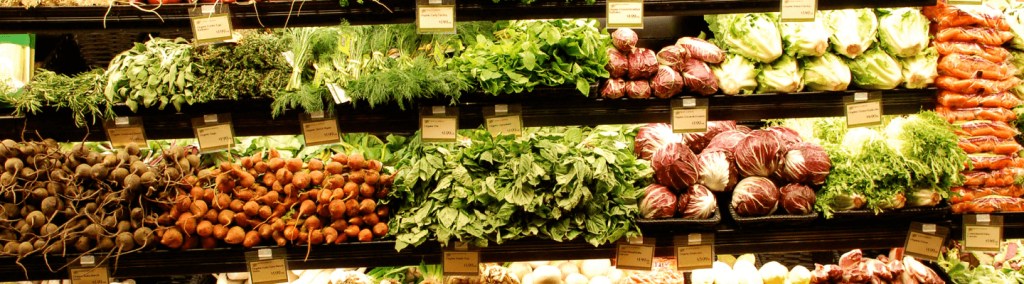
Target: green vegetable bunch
{"points": [[531, 53], [79, 93], [557, 183], [159, 71], [252, 68]]}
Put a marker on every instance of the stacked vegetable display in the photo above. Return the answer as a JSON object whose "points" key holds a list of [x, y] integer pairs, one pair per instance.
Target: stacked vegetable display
{"points": [[909, 162], [556, 183], [966, 267], [725, 154], [852, 268], [975, 78], [767, 56], [674, 67]]}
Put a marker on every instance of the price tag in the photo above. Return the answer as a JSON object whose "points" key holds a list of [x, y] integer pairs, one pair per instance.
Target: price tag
{"points": [[508, 124], [89, 275], [461, 263], [503, 119], [211, 24], [214, 132], [695, 251], [965, 2], [435, 19], [439, 124], [268, 266], [635, 256], [215, 138], [625, 14], [689, 115], [125, 130], [793, 11], [863, 109], [338, 94], [440, 129], [983, 232], [321, 132], [924, 245]]}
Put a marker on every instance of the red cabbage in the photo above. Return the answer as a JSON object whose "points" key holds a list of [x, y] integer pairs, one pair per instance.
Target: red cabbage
{"points": [[786, 135], [726, 141], [702, 50], [759, 154], [697, 203], [618, 63], [797, 199], [625, 40], [638, 89], [806, 162], [716, 170], [698, 77], [642, 64], [666, 83], [658, 202], [675, 166], [672, 55], [755, 196], [653, 136], [614, 89]]}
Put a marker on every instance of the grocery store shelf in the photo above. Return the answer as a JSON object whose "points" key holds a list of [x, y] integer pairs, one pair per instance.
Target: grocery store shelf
{"points": [[325, 13], [543, 107], [821, 236]]}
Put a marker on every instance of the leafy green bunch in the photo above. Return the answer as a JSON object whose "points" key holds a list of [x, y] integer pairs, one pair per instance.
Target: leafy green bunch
{"points": [[79, 93], [556, 183], [159, 71], [253, 67], [531, 53]]}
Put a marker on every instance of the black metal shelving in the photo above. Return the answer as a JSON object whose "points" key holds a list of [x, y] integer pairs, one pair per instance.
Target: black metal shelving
{"points": [[320, 13], [543, 107], [823, 235]]}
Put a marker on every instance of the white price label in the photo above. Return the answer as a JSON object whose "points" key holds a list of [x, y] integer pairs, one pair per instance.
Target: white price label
{"points": [[435, 19], [864, 114], [504, 125], [635, 257], [461, 263], [440, 129], [626, 14], [215, 138], [212, 29], [798, 10], [686, 120]]}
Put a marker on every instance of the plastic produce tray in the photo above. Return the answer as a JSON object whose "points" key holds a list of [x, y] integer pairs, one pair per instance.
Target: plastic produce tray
{"points": [[680, 223], [773, 220]]}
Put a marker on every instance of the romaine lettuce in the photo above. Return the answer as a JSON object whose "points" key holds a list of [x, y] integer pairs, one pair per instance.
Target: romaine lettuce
{"points": [[826, 73], [903, 32], [853, 30], [736, 75], [875, 70], [755, 36]]}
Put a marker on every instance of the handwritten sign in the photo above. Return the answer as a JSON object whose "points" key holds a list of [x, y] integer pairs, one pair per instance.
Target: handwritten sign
{"points": [[864, 114], [694, 257], [798, 10], [465, 263], [626, 14], [435, 19], [270, 271], [924, 246], [687, 120], [215, 138], [122, 136], [321, 132], [635, 257], [89, 275], [509, 124], [440, 129]]}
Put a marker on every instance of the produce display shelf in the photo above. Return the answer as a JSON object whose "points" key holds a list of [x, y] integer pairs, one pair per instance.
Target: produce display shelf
{"points": [[542, 107], [325, 13], [821, 236]]}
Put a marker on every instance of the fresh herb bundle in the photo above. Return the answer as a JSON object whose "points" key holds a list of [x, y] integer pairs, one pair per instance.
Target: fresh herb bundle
{"points": [[79, 93], [531, 53], [559, 184], [159, 71], [252, 68]]}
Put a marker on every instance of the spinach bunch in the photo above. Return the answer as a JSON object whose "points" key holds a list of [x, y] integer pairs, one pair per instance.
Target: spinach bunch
{"points": [[560, 184], [531, 53]]}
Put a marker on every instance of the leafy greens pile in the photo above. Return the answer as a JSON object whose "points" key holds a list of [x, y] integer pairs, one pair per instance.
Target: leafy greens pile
{"points": [[908, 163], [531, 53], [557, 183]]}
